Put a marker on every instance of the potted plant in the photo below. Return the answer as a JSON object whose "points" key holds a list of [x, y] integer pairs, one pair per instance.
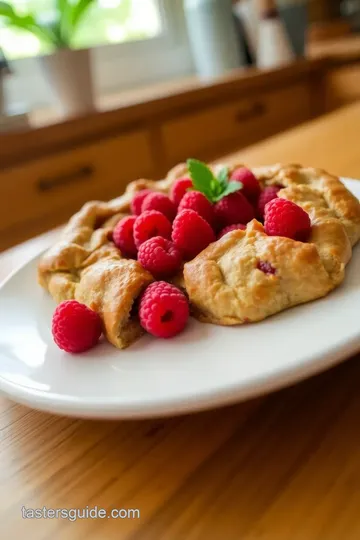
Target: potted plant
{"points": [[68, 70]]}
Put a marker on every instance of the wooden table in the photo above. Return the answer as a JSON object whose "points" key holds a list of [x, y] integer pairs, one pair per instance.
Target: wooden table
{"points": [[283, 467]]}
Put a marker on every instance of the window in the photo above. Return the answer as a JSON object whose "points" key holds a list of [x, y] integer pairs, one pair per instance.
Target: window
{"points": [[133, 42], [107, 21]]}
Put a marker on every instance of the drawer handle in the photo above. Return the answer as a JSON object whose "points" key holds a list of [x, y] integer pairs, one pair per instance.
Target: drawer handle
{"points": [[47, 184], [256, 109]]}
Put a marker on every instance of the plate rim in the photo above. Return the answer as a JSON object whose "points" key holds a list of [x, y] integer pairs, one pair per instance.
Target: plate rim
{"points": [[210, 399]]}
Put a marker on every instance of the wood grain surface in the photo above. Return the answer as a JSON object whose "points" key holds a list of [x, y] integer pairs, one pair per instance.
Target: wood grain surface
{"points": [[282, 467]]}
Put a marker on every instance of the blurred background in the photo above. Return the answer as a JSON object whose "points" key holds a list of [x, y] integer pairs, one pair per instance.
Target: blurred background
{"points": [[135, 42], [95, 93]]}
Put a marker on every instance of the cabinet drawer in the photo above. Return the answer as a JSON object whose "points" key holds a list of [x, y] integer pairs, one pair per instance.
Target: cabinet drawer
{"points": [[51, 185], [241, 122], [342, 86]]}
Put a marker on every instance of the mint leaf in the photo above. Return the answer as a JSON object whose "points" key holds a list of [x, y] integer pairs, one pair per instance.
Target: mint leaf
{"points": [[219, 189], [202, 178], [223, 176], [213, 187], [231, 187]]}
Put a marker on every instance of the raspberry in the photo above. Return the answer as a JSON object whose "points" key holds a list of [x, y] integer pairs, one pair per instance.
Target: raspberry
{"points": [[138, 200], [230, 228], [179, 189], [163, 310], [232, 209], [268, 194], [160, 257], [161, 203], [123, 236], [251, 188], [149, 224], [75, 327], [266, 267], [191, 233], [194, 200], [285, 218]]}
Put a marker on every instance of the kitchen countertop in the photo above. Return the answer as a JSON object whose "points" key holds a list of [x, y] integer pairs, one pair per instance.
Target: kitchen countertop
{"points": [[51, 131], [138, 108], [328, 142], [339, 49], [283, 466]]}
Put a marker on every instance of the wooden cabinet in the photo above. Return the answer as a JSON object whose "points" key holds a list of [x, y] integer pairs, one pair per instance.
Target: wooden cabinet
{"points": [[46, 174], [214, 130], [45, 192], [342, 86]]}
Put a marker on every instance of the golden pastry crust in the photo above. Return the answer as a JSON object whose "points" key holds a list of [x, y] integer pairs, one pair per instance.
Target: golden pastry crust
{"points": [[227, 287], [110, 287], [223, 283]]}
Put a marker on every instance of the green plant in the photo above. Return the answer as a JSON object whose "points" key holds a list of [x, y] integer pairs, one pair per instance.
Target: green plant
{"points": [[59, 32]]}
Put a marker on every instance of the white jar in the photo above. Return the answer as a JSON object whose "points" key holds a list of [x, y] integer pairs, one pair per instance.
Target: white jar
{"points": [[214, 41], [274, 49]]}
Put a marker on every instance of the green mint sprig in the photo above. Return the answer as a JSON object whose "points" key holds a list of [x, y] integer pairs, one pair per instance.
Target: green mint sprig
{"points": [[213, 187]]}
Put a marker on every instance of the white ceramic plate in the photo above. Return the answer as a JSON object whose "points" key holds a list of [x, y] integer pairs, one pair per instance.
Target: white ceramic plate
{"points": [[205, 367]]}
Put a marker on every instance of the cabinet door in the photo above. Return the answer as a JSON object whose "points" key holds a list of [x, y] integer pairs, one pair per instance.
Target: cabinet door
{"points": [[41, 194], [218, 129], [342, 86]]}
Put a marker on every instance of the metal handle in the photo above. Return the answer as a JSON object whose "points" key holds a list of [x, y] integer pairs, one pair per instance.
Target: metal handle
{"points": [[47, 184], [256, 109]]}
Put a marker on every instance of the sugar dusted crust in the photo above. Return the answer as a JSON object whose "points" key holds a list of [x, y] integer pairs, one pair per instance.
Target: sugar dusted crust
{"points": [[224, 282]]}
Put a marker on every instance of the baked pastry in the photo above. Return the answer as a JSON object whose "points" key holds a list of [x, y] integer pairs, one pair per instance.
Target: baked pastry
{"points": [[225, 282], [110, 287], [245, 276], [85, 265]]}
